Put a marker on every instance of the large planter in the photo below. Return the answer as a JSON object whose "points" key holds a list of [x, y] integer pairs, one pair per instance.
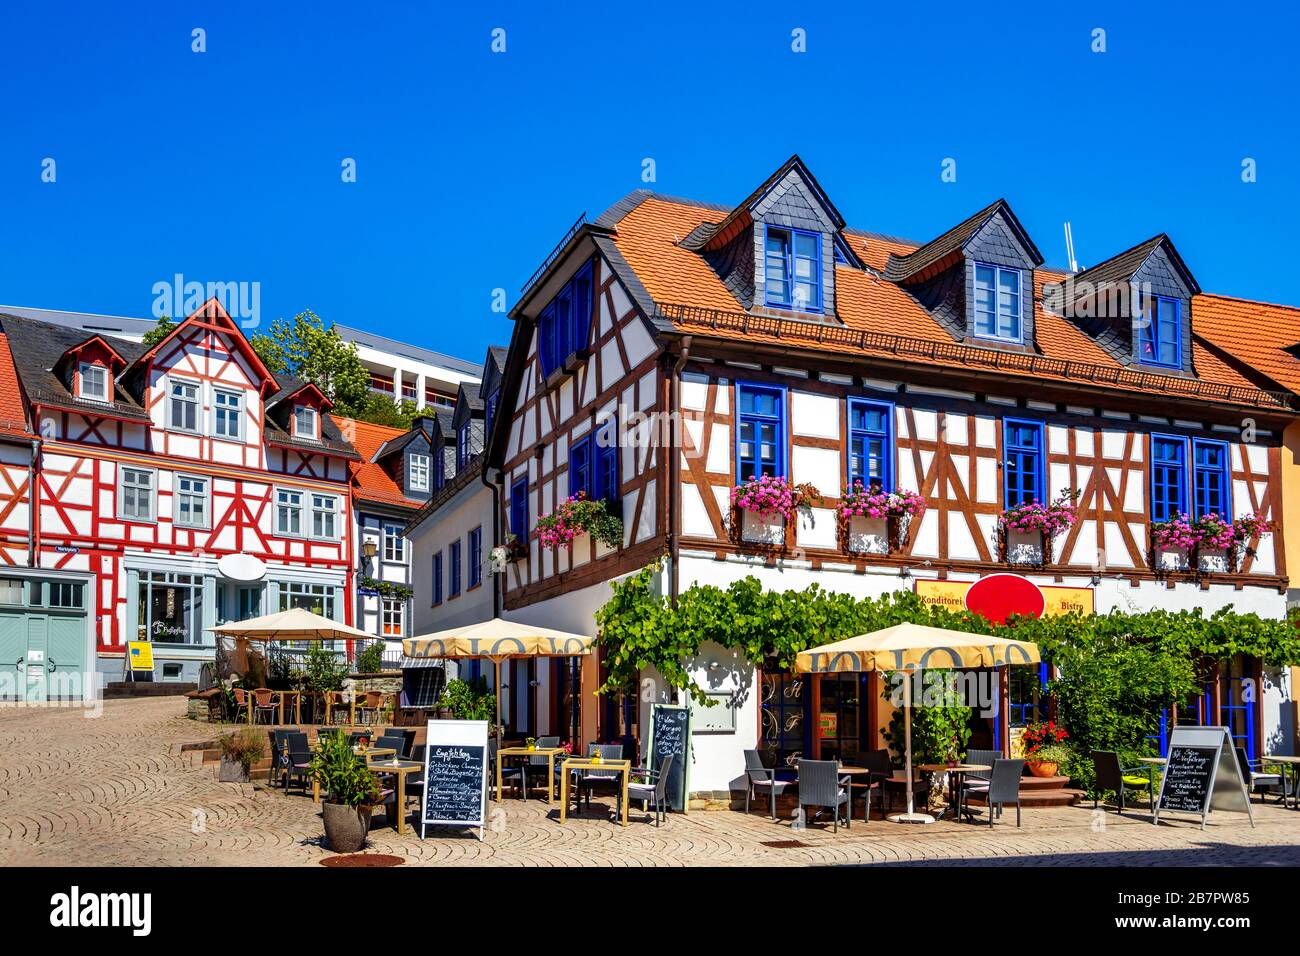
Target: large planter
{"points": [[1028, 547], [345, 826], [232, 771], [1041, 768], [870, 535], [1172, 559], [761, 529]]}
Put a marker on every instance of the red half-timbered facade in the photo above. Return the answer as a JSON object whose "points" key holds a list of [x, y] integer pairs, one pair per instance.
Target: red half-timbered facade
{"points": [[181, 485]]}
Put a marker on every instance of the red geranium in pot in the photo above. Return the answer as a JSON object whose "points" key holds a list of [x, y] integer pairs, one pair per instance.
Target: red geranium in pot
{"points": [[1044, 746]]}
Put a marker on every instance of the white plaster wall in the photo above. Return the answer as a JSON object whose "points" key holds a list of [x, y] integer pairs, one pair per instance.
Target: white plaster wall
{"points": [[468, 509]]}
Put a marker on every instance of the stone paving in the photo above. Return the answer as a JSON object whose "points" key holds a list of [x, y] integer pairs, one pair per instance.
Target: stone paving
{"points": [[117, 790]]}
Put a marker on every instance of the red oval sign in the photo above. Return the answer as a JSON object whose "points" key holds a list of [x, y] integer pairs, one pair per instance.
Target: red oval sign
{"points": [[998, 596]]}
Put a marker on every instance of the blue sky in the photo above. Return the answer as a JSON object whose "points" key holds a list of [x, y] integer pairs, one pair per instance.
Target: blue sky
{"points": [[225, 165]]}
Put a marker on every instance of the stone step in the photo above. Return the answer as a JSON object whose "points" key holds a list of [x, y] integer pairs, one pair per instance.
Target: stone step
{"points": [[1059, 797], [1043, 783]]}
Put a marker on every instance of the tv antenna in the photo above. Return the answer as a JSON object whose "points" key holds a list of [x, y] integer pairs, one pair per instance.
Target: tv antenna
{"points": [[1069, 248]]}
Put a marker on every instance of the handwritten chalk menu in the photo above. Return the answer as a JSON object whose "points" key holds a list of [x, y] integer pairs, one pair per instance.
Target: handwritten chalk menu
{"points": [[1202, 774], [670, 734], [1188, 778], [455, 774]]}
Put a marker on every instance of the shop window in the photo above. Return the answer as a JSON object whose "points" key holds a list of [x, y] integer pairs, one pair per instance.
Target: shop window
{"points": [[317, 598], [11, 591], [66, 594], [172, 673], [170, 608]]}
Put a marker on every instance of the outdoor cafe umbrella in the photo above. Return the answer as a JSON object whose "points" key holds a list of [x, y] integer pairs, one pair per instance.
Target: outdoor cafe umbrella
{"points": [[498, 640], [295, 624], [911, 648]]}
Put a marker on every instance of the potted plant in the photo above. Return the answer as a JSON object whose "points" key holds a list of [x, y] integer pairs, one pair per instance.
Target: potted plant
{"points": [[350, 789], [1044, 748], [1174, 542], [891, 512], [1023, 525], [239, 751]]}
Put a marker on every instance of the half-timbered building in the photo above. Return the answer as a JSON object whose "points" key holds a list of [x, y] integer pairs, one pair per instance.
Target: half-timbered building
{"points": [[165, 489], [670, 349]]}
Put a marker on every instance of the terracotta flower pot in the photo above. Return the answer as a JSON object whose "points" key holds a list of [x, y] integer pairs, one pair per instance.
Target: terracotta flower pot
{"points": [[1041, 768], [345, 826]]}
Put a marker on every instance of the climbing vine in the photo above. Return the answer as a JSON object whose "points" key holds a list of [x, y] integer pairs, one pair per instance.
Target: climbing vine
{"points": [[639, 629]]}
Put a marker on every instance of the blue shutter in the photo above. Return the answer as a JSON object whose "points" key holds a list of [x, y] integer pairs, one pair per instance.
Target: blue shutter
{"points": [[519, 508], [580, 467], [437, 578], [582, 307]]}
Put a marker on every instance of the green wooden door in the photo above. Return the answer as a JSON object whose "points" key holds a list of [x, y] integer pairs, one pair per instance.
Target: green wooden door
{"points": [[66, 667], [13, 656]]}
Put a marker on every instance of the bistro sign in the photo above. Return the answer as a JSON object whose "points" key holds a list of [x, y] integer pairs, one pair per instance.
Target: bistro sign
{"points": [[998, 596]]}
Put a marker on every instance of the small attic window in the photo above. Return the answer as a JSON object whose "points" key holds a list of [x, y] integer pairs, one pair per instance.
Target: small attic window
{"points": [[1160, 333], [93, 382], [998, 313], [793, 269], [304, 422]]}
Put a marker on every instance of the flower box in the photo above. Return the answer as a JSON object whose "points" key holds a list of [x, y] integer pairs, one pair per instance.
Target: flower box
{"points": [[1027, 547], [1027, 532], [1216, 560], [872, 521], [763, 507], [757, 528], [869, 535], [1173, 558]]}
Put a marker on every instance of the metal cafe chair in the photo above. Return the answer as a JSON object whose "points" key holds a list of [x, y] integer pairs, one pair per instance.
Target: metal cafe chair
{"points": [[759, 777], [1004, 787], [652, 788], [820, 785], [264, 704]]}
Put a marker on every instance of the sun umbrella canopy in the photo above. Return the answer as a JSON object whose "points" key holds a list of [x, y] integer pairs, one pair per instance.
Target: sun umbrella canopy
{"points": [[498, 639], [295, 624], [911, 646]]}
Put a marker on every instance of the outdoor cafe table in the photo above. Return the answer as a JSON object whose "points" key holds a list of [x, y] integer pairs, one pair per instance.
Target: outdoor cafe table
{"points": [[368, 754], [548, 752], [399, 769], [337, 695], [1151, 764], [583, 764], [282, 694], [1291, 766], [954, 785]]}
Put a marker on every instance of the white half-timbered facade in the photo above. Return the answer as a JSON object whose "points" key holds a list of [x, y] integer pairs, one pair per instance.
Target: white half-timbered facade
{"points": [[670, 350]]}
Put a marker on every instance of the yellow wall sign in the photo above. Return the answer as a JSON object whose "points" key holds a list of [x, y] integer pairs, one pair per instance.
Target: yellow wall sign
{"points": [[141, 655], [1055, 599]]}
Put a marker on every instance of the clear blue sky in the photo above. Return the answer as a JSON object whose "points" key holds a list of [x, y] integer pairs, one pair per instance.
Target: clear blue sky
{"points": [[225, 165]]}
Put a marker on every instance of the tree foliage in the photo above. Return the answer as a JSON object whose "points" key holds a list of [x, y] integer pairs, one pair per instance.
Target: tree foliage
{"points": [[159, 332], [306, 349]]}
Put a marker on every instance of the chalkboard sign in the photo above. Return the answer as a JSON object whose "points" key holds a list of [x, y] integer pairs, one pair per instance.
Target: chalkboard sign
{"points": [[1189, 777], [455, 774], [670, 734], [1202, 774]]}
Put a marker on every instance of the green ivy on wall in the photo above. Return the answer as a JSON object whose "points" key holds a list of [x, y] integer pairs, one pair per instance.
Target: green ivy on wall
{"points": [[388, 589]]}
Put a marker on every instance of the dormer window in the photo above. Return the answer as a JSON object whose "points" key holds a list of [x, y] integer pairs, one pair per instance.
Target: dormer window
{"points": [[564, 327], [94, 382], [793, 269], [304, 422], [462, 445], [997, 303], [1160, 333], [419, 472]]}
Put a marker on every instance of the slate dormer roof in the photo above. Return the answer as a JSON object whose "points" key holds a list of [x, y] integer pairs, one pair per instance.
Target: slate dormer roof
{"points": [[944, 250], [680, 293], [1120, 269]]}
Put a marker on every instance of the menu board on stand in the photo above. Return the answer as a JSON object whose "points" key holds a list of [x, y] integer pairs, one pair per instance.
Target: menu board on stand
{"points": [[455, 775]]}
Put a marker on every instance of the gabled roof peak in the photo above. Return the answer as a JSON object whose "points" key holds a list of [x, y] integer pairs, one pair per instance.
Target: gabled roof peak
{"points": [[937, 254]]}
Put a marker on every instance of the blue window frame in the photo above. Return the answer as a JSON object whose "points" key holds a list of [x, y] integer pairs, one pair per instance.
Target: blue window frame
{"points": [[453, 572], [476, 557], [564, 326], [998, 309], [760, 432], [488, 414], [437, 578], [593, 464], [1023, 454], [1210, 478], [580, 467], [792, 269], [462, 445], [1160, 333], [439, 467], [606, 439], [871, 443], [1168, 476], [519, 508]]}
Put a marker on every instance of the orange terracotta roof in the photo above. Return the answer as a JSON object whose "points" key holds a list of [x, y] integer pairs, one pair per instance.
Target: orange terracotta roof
{"points": [[879, 318], [371, 481], [13, 413], [1256, 333]]}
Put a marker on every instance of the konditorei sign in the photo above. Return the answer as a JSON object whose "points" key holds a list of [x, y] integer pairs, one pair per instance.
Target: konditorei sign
{"points": [[998, 596]]}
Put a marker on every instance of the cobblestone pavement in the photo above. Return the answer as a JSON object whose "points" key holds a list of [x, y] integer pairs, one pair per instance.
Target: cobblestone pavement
{"points": [[117, 790]]}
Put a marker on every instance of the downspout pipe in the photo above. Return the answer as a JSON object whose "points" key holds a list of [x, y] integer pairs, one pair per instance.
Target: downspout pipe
{"points": [[33, 503], [675, 465], [495, 488]]}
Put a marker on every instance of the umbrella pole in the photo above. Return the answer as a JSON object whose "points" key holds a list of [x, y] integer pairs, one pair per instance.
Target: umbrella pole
{"points": [[496, 669], [910, 816]]}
